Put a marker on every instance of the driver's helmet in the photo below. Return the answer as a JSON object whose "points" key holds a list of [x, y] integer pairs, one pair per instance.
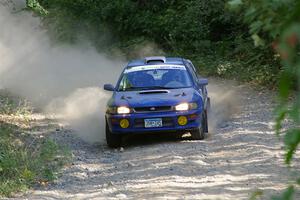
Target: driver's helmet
{"points": [[177, 76]]}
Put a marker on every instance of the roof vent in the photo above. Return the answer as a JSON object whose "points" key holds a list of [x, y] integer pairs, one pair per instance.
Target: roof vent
{"points": [[155, 59]]}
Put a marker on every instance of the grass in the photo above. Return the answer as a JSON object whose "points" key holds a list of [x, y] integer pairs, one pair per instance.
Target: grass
{"points": [[11, 105], [26, 160]]}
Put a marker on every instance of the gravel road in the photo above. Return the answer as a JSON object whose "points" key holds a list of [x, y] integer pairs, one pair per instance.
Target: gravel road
{"points": [[240, 155]]}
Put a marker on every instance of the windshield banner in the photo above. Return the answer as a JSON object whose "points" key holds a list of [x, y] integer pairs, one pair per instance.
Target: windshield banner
{"points": [[153, 67]]}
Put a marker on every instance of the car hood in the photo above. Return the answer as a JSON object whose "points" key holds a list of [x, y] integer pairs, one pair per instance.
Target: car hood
{"points": [[161, 97]]}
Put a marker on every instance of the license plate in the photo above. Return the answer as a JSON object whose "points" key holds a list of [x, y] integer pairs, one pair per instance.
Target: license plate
{"points": [[151, 123]]}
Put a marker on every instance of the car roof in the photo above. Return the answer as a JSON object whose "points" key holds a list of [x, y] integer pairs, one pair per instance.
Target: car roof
{"points": [[156, 60]]}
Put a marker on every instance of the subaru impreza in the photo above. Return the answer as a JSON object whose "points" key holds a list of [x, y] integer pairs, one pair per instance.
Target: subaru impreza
{"points": [[157, 94]]}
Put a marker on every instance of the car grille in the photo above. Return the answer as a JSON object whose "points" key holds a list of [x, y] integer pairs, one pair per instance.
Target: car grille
{"points": [[166, 121], [153, 109]]}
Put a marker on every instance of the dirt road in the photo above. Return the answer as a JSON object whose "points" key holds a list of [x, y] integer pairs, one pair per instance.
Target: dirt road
{"points": [[239, 156]]}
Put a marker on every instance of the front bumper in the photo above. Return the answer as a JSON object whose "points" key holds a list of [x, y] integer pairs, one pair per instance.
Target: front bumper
{"points": [[136, 121]]}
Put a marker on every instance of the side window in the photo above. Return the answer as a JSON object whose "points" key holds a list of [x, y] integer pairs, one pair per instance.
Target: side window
{"points": [[125, 83], [196, 77], [193, 71]]}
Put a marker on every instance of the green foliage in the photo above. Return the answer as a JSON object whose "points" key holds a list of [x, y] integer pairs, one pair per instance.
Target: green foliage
{"points": [[36, 7], [276, 22], [291, 140], [290, 80], [286, 195], [199, 30], [25, 161]]}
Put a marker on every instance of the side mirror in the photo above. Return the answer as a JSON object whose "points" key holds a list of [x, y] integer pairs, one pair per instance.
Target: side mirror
{"points": [[202, 81], [109, 87]]}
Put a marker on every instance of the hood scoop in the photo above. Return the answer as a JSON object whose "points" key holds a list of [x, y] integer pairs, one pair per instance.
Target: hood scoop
{"points": [[153, 91]]}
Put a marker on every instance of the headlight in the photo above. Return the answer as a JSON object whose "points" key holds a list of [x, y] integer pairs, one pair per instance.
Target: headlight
{"points": [[182, 106], [112, 110], [118, 110], [123, 110], [186, 106]]}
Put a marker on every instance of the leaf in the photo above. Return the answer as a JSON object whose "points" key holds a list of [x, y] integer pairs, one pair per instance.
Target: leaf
{"points": [[36, 7], [250, 14], [281, 113], [27, 174], [294, 112], [256, 194], [235, 4], [257, 40], [286, 195], [291, 140], [298, 181], [284, 85], [256, 26]]}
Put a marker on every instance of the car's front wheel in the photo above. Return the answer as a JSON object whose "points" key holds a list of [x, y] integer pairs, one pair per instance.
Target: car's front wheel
{"points": [[205, 123], [199, 133], [112, 140]]}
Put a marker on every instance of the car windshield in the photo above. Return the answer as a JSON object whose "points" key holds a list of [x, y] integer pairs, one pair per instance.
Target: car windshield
{"points": [[155, 77]]}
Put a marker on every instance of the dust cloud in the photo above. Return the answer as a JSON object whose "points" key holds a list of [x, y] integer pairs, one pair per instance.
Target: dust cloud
{"points": [[65, 80], [225, 102]]}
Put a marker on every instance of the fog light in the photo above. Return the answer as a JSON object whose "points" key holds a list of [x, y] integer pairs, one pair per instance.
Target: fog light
{"points": [[193, 117], [124, 123], [182, 120], [114, 121]]}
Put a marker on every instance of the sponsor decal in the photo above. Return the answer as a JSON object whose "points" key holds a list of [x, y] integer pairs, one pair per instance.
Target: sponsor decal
{"points": [[153, 67]]}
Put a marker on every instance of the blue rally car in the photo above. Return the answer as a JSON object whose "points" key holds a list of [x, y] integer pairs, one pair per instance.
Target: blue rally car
{"points": [[157, 94]]}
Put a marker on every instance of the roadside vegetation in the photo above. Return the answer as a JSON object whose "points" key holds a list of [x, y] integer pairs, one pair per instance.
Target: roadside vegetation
{"points": [[209, 32], [277, 23], [26, 160]]}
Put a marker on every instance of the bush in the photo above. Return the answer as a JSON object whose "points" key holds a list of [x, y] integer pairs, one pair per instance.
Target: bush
{"points": [[206, 31]]}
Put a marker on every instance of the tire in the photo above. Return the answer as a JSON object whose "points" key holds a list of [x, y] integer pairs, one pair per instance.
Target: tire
{"points": [[205, 117], [198, 134], [205, 123], [208, 107], [112, 140]]}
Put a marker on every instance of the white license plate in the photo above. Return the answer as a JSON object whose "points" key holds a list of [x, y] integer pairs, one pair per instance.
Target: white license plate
{"points": [[151, 123]]}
